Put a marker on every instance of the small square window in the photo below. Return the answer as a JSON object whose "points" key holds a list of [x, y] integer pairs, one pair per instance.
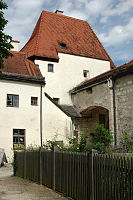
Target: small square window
{"points": [[57, 100], [50, 68], [86, 73], [34, 101], [12, 100]]}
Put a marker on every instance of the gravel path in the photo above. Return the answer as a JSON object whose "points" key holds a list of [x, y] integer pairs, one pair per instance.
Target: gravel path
{"points": [[15, 188]]}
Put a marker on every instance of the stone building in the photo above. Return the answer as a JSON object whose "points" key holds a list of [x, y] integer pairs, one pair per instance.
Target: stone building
{"points": [[106, 99]]}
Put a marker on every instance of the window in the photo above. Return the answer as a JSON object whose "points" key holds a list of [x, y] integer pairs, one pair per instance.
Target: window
{"points": [[12, 100], [86, 73], [18, 138], [50, 68], [57, 100], [34, 101], [89, 90], [62, 45]]}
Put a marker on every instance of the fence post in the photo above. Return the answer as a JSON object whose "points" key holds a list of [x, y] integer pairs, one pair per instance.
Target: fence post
{"points": [[55, 149], [93, 151], [25, 164], [40, 164]]}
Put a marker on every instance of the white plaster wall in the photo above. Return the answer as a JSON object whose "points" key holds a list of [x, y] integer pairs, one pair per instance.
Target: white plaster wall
{"points": [[56, 124], [68, 73], [27, 117]]}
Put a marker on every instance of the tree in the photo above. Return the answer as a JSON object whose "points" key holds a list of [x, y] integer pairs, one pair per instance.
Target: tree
{"points": [[5, 40]]}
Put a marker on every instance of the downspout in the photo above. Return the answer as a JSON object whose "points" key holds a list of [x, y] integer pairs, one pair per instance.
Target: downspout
{"points": [[114, 112], [73, 127], [41, 115]]}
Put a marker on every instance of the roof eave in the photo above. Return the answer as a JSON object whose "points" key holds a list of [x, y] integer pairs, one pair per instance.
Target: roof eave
{"points": [[22, 78]]}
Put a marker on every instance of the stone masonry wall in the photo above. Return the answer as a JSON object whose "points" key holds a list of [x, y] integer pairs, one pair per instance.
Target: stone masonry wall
{"points": [[124, 104], [101, 96]]}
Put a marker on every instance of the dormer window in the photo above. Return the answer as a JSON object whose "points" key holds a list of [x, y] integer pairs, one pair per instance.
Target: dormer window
{"points": [[86, 73], [62, 45], [50, 67]]}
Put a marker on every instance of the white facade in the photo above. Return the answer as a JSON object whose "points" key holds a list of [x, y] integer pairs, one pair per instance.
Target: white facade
{"points": [[27, 116], [68, 73], [56, 124]]}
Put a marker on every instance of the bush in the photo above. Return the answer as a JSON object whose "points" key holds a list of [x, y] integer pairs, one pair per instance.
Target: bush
{"points": [[74, 145], [78, 145], [126, 143], [102, 138]]}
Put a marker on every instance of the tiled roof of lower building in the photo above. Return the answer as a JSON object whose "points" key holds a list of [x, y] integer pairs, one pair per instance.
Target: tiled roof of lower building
{"points": [[20, 66]]}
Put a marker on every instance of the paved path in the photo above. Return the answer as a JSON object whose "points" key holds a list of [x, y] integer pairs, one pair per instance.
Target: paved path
{"points": [[15, 188]]}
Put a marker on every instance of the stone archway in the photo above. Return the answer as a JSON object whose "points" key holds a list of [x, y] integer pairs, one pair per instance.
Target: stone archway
{"points": [[90, 117]]}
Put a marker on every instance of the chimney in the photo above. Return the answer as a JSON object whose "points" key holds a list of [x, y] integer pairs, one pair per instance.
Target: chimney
{"points": [[15, 45], [60, 12]]}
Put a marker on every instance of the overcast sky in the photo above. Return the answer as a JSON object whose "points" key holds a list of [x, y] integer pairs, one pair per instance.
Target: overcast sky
{"points": [[111, 20]]}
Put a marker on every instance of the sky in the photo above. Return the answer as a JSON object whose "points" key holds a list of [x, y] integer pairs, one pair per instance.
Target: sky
{"points": [[111, 20]]}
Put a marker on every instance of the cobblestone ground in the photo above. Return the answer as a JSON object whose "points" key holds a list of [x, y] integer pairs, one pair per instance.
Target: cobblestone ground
{"points": [[15, 188]]}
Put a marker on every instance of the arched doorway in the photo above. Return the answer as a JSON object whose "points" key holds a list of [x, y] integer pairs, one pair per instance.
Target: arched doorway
{"points": [[90, 118]]}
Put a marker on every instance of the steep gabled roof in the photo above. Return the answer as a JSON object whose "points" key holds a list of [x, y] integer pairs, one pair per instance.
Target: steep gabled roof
{"points": [[21, 68], [113, 73], [52, 29]]}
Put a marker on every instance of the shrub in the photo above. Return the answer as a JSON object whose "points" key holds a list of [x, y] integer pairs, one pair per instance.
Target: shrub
{"points": [[78, 145], [126, 143], [102, 138]]}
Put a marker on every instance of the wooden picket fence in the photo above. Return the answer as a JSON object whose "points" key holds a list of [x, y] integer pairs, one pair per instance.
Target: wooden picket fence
{"points": [[81, 176]]}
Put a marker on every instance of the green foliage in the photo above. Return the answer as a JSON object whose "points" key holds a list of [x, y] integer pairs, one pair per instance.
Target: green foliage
{"points": [[101, 140], [14, 163], [78, 145], [126, 143], [31, 148], [5, 40], [50, 144], [74, 145]]}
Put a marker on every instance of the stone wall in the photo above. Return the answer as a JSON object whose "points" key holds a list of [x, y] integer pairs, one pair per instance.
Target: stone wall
{"points": [[94, 101], [124, 104]]}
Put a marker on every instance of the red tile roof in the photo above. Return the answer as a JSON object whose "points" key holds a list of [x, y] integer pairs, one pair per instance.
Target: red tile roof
{"points": [[18, 64], [116, 72], [52, 29]]}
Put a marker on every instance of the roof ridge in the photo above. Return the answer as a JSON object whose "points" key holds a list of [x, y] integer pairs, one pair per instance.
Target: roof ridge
{"points": [[27, 67], [73, 18], [17, 52]]}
